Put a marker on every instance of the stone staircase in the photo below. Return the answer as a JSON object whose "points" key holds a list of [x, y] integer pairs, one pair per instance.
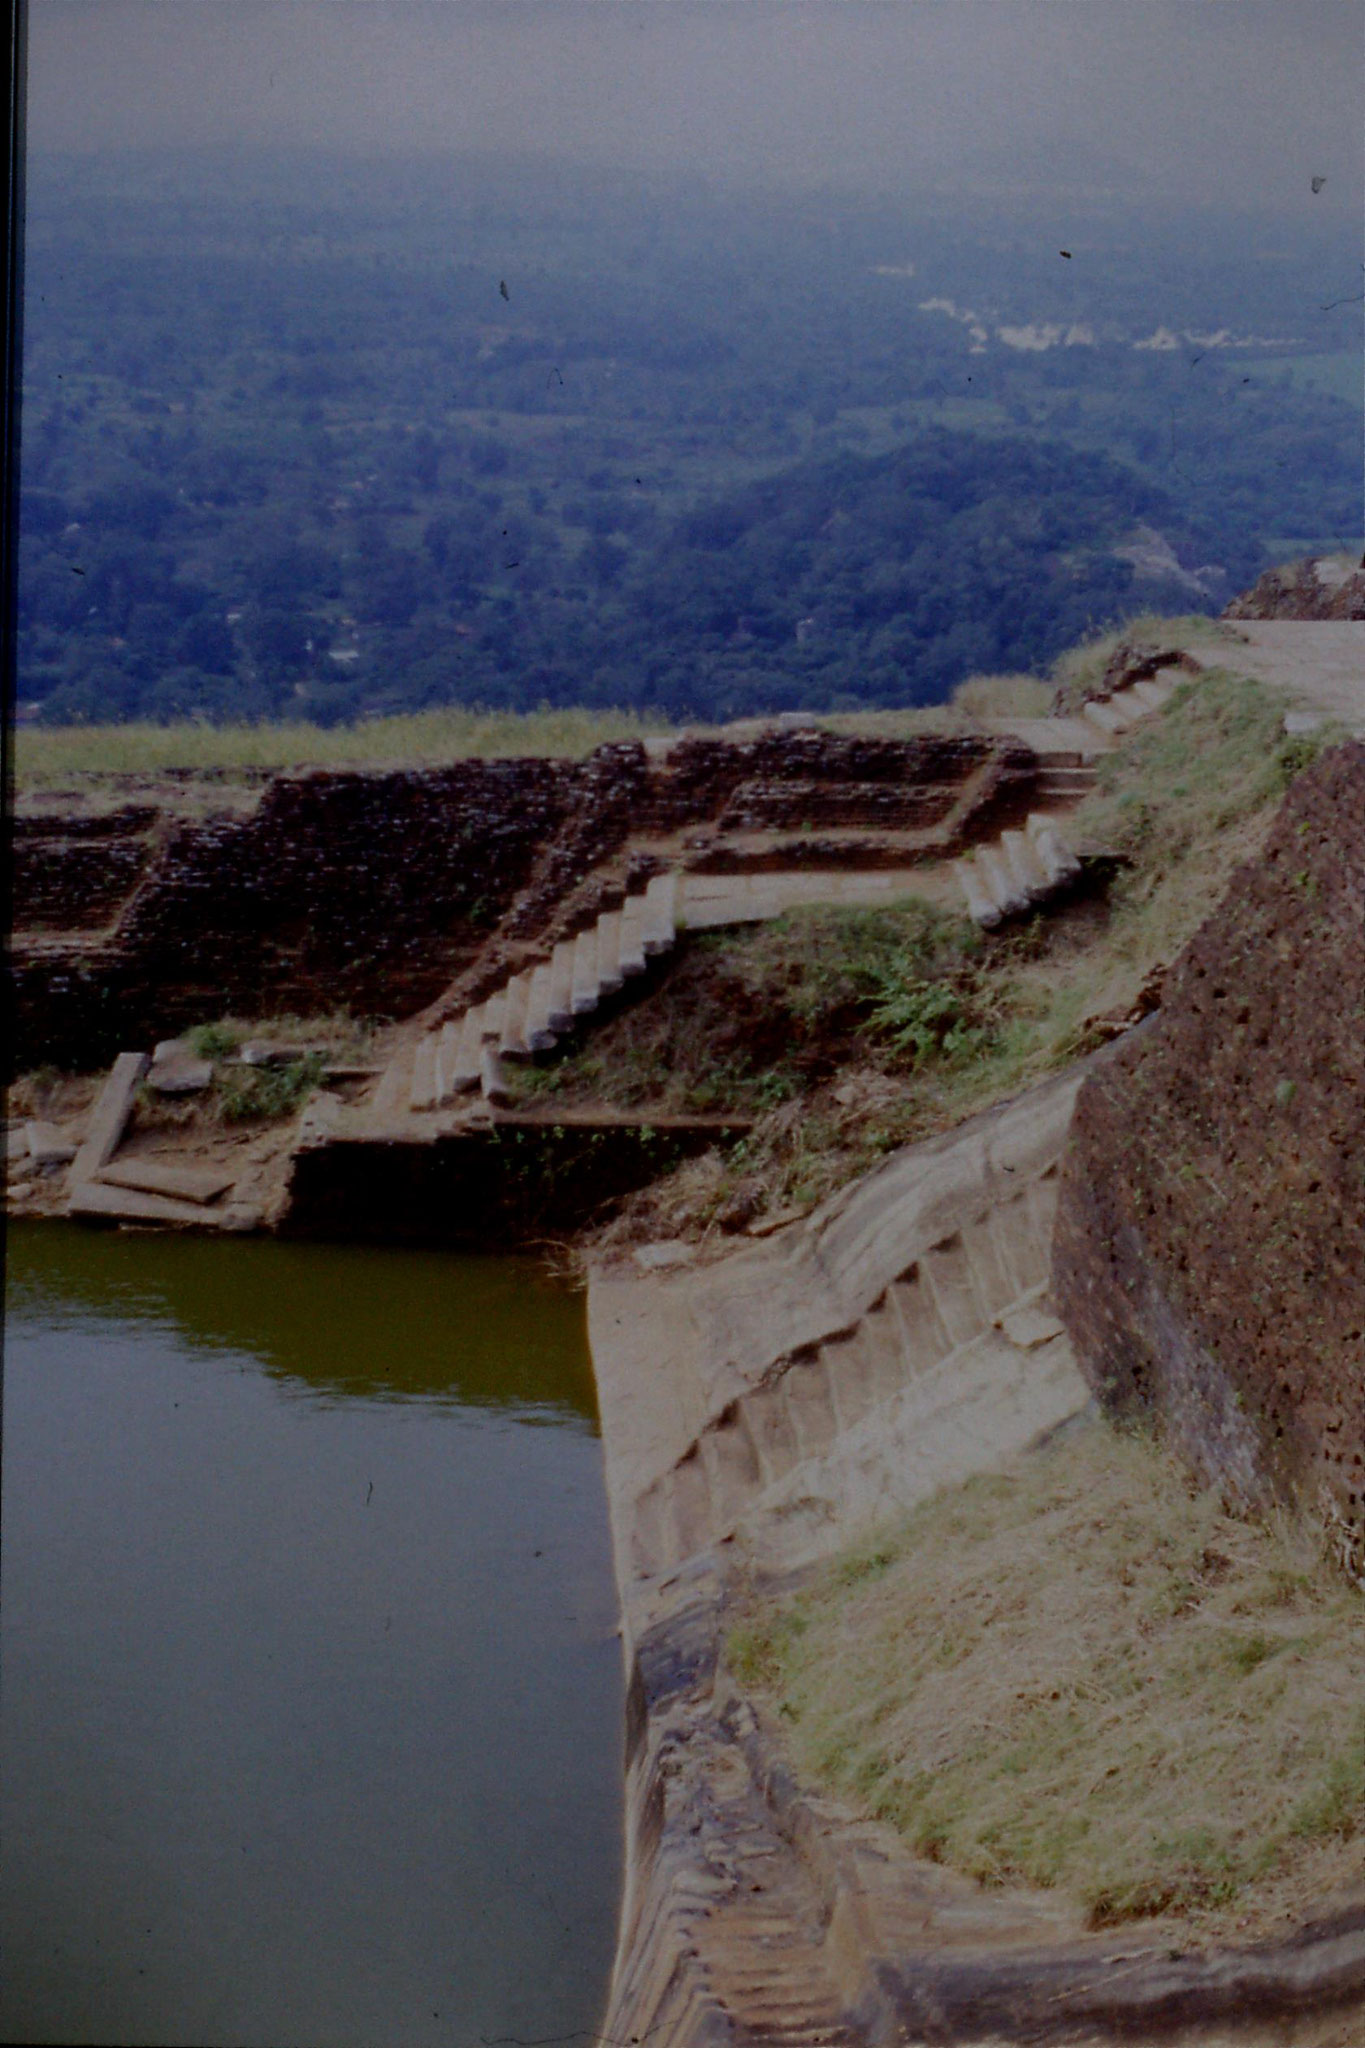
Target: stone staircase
{"points": [[1019, 870], [759, 1415], [1016, 871], [550, 999], [536, 1008], [964, 1331], [1114, 715]]}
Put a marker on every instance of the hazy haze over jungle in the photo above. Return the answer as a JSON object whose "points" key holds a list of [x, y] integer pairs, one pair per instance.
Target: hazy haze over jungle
{"points": [[715, 358]]}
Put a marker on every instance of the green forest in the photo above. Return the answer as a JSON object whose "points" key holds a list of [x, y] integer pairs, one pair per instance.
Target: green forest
{"points": [[341, 440]]}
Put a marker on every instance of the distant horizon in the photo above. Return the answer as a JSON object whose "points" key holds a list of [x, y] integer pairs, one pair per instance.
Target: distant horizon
{"points": [[979, 192], [1235, 104]]}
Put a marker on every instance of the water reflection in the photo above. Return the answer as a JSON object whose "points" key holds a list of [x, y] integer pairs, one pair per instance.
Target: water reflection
{"points": [[339, 1320]]}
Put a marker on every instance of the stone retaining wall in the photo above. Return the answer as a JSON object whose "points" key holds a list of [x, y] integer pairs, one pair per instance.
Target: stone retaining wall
{"points": [[372, 891], [1210, 1250]]}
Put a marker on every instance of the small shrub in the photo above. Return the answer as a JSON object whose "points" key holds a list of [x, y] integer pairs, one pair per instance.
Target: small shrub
{"points": [[215, 1041], [264, 1094]]}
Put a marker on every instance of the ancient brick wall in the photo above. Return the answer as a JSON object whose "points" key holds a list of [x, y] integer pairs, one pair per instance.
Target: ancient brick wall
{"points": [[372, 891], [75, 873], [1209, 1256], [853, 781], [363, 891]]}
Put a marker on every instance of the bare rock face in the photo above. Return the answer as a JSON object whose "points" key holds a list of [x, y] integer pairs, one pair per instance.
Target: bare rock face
{"points": [[1304, 590], [1209, 1255]]}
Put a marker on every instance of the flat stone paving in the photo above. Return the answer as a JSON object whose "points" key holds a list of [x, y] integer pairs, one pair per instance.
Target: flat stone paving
{"points": [[1322, 661], [709, 900]]}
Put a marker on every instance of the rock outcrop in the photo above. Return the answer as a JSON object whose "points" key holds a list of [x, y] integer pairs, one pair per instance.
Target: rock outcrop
{"points": [[1315, 589], [1209, 1257]]}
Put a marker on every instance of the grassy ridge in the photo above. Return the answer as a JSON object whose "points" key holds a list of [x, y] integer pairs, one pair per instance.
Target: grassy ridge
{"points": [[1085, 1675], [44, 755]]}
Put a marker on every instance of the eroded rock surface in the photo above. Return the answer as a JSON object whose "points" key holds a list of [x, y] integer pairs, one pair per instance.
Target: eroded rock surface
{"points": [[1318, 589], [1209, 1258]]}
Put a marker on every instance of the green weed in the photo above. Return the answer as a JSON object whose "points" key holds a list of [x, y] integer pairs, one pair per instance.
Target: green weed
{"points": [[265, 1094]]}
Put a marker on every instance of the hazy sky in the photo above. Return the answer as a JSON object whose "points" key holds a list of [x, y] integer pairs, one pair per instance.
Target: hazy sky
{"points": [[1215, 100]]}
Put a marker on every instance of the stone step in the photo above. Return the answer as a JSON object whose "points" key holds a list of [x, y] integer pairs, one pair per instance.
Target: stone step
{"points": [[559, 1012], [661, 913], [993, 1278], [422, 1093], [540, 1037], [810, 1404], [1026, 869], [494, 1010], [981, 904], [630, 951], [1101, 713], [394, 1087], [512, 1044], [466, 1066], [1151, 694], [996, 879], [1066, 781], [925, 1336], [492, 1079], [609, 975], [1052, 850], [585, 983], [1129, 705], [458, 1056], [948, 1275], [447, 1045]]}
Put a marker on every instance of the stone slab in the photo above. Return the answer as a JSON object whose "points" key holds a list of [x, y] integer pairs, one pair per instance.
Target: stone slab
{"points": [[181, 1183], [662, 1257], [1029, 1327], [48, 1146], [111, 1113], [130, 1205], [181, 1077]]}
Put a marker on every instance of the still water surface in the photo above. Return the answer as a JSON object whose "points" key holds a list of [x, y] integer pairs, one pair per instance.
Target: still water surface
{"points": [[311, 1726]]}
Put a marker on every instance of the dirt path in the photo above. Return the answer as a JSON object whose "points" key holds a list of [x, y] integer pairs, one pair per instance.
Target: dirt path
{"points": [[1322, 661]]}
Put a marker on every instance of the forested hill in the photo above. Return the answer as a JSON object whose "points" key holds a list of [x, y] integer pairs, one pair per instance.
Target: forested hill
{"points": [[884, 580], [340, 439]]}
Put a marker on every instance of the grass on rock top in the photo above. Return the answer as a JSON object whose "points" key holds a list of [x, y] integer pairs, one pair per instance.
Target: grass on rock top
{"points": [[48, 755], [1083, 1674], [44, 755]]}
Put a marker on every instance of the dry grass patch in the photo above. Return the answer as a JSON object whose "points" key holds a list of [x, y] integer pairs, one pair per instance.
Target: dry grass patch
{"points": [[1083, 1674], [1081, 668], [427, 739], [1004, 696]]}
